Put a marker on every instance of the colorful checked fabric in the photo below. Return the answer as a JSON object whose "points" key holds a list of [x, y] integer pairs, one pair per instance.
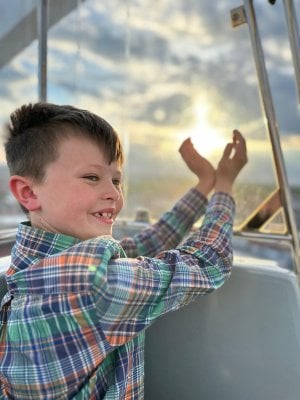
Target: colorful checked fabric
{"points": [[73, 322]]}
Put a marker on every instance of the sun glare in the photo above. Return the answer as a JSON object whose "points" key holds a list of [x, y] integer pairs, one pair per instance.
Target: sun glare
{"points": [[206, 139]]}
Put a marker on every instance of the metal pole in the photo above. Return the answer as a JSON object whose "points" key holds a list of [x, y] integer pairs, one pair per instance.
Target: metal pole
{"points": [[273, 130], [293, 29], [42, 21]]}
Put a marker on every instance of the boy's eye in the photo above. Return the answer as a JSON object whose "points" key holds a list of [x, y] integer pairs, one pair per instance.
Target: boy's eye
{"points": [[93, 178], [117, 182]]}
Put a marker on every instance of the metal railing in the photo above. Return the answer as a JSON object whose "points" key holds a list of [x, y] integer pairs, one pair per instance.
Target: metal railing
{"points": [[246, 14]]}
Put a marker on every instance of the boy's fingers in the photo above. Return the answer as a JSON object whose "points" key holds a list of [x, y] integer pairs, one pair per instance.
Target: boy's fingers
{"points": [[238, 138], [185, 145], [227, 151], [236, 133], [240, 146]]}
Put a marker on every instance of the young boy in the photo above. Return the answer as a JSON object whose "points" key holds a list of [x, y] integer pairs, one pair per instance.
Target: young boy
{"points": [[73, 321]]}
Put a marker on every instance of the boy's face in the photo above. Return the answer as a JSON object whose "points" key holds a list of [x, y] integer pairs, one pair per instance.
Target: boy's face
{"points": [[81, 194]]}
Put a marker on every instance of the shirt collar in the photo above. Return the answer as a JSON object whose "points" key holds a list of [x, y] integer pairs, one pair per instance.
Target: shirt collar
{"points": [[40, 243]]}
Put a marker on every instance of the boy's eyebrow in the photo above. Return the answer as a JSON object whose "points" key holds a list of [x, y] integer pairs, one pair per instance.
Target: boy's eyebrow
{"points": [[101, 166]]}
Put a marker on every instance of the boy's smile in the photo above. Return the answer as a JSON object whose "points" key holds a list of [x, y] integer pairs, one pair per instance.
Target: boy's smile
{"points": [[81, 193]]}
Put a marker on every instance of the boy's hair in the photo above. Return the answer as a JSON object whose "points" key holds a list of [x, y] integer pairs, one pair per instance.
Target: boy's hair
{"points": [[37, 129]]}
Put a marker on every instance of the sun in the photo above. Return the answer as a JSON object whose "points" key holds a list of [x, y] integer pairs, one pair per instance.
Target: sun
{"points": [[208, 140]]}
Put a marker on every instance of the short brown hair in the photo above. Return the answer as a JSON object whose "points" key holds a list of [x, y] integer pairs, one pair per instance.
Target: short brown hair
{"points": [[35, 131]]}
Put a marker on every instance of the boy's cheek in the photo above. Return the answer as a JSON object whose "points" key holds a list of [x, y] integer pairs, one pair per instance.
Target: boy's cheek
{"points": [[120, 204]]}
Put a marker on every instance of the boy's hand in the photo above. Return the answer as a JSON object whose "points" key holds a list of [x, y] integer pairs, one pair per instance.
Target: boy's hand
{"points": [[199, 166], [233, 160]]}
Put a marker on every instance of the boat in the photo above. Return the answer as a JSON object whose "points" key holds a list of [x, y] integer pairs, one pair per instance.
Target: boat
{"points": [[169, 69]]}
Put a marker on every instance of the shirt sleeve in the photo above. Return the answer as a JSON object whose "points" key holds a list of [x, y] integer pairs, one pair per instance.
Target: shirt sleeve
{"points": [[170, 229], [131, 293]]}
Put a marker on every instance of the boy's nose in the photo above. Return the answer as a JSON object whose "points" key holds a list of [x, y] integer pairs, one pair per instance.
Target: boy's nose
{"points": [[110, 192]]}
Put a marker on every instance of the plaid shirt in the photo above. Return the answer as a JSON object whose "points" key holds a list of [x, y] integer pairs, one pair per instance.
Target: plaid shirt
{"points": [[73, 322]]}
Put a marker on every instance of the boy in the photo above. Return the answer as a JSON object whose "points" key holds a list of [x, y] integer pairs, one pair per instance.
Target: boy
{"points": [[73, 322]]}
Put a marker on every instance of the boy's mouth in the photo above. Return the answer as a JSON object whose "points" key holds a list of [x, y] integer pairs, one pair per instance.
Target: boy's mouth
{"points": [[103, 215], [106, 216]]}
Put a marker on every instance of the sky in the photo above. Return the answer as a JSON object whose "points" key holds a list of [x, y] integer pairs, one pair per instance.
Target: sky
{"points": [[160, 74]]}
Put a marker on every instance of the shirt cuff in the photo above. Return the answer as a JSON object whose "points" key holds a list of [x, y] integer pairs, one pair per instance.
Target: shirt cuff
{"points": [[225, 199]]}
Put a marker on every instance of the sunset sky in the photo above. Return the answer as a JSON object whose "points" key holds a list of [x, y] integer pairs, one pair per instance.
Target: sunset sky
{"points": [[160, 74]]}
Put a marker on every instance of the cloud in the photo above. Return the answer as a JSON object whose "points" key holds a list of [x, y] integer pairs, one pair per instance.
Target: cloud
{"points": [[145, 68]]}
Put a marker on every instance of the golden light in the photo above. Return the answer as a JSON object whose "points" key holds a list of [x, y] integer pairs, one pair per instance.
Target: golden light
{"points": [[207, 139]]}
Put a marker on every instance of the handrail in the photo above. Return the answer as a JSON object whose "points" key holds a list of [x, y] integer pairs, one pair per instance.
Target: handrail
{"points": [[42, 19], [248, 15]]}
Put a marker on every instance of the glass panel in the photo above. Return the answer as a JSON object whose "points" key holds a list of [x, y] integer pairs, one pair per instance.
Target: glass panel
{"points": [[18, 83], [160, 74], [273, 24]]}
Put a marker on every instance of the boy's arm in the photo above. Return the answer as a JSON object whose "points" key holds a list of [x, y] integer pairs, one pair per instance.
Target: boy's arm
{"points": [[129, 294], [170, 229]]}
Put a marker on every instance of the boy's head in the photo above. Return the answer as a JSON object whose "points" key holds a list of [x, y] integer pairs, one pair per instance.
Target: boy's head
{"points": [[62, 160]]}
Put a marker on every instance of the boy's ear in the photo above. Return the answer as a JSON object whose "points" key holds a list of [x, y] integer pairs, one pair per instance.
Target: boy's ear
{"points": [[22, 188]]}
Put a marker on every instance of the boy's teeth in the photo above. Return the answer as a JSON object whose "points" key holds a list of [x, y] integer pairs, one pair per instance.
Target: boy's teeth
{"points": [[105, 215]]}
